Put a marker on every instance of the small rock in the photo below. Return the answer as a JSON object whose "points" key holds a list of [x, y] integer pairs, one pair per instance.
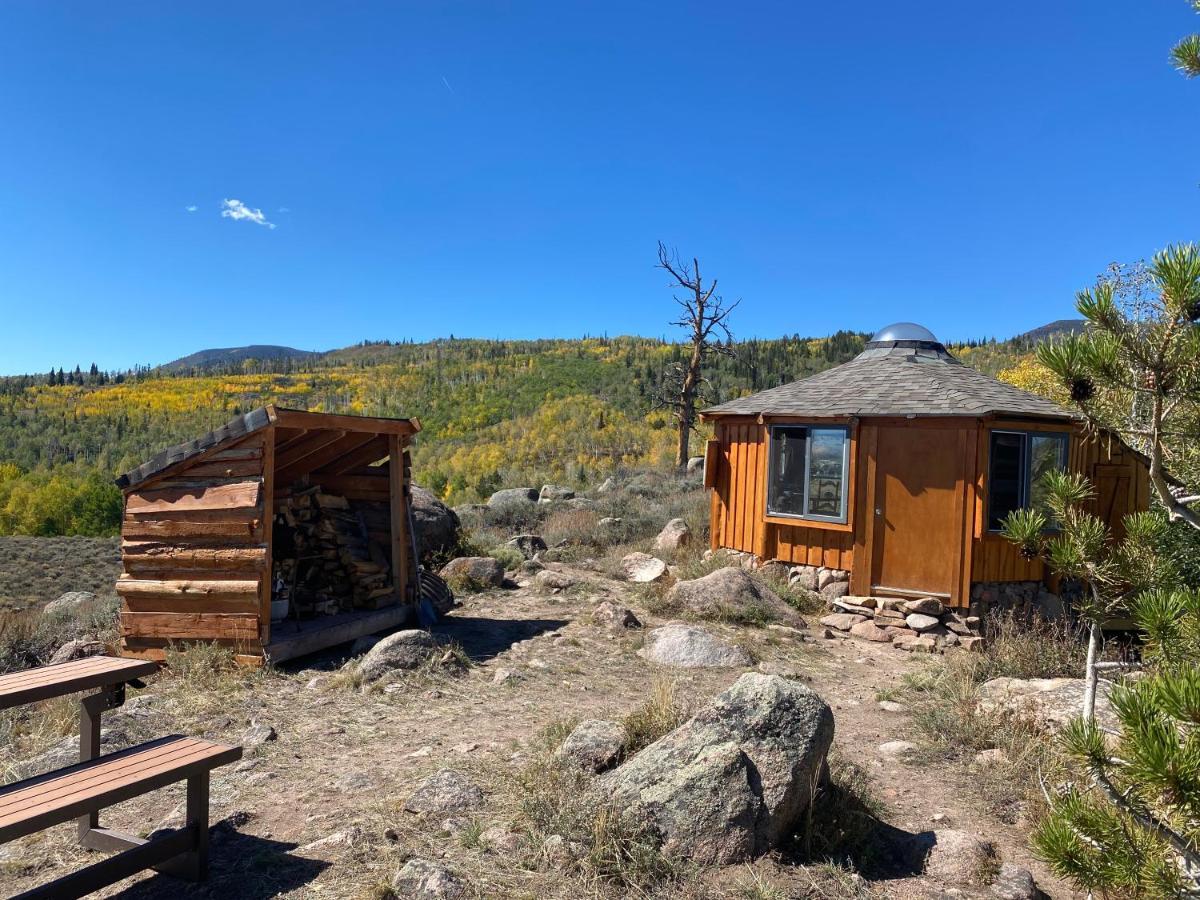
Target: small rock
{"points": [[257, 735], [835, 590], [609, 521], [897, 749], [852, 606], [689, 647], [477, 571], [869, 631], [402, 650], [551, 580], [76, 649], [595, 744], [445, 791], [956, 857], [921, 622], [892, 706], [992, 757], [606, 486], [506, 676], [971, 644], [615, 616], [695, 464], [929, 606], [915, 644], [675, 534], [1015, 883], [843, 621], [642, 568], [421, 879], [502, 840], [528, 545]]}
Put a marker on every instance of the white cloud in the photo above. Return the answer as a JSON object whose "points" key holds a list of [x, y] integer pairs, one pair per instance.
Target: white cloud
{"points": [[192, 208], [237, 210]]}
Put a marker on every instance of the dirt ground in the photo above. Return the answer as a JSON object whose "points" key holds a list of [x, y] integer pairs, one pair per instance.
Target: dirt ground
{"points": [[316, 812]]}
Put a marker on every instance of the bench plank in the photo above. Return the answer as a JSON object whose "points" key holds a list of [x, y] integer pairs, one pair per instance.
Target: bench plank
{"points": [[72, 677], [46, 800]]}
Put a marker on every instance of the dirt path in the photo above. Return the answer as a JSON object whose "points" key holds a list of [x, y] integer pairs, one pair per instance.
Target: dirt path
{"points": [[316, 811]]}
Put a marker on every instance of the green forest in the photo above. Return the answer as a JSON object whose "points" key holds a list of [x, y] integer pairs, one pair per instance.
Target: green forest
{"points": [[494, 413]]}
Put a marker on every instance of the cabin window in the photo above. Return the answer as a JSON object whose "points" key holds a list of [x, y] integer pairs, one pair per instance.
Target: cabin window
{"points": [[807, 477], [1018, 461]]}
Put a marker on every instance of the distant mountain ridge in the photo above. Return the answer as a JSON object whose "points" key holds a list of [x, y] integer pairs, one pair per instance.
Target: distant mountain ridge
{"points": [[1054, 329], [224, 356]]}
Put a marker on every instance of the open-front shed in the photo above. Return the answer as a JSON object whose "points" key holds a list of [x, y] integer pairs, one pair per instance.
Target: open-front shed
{"points": [[897, 469], [309, 510]]}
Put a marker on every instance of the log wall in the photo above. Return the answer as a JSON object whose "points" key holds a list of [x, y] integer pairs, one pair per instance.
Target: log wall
{"points": [[195, 555]]}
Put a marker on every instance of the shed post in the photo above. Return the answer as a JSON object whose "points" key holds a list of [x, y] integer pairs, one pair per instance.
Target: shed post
{"points": [[399, 513], [268, 516]]}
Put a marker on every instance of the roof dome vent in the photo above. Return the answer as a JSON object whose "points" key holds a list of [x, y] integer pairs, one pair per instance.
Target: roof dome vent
{"points": [[905, 331], [909, 340]]}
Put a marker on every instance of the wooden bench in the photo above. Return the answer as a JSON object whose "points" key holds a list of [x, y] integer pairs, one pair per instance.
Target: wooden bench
{"points": [[80, 791]]}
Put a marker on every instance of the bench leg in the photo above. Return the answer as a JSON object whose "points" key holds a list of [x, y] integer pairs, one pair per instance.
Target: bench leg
{"points": [[196, 863], [90, 710]]}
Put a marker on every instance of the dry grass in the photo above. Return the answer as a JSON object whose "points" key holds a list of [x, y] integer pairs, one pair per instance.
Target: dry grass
{"points": [[36, 570], [28, 638], [663, 712]]}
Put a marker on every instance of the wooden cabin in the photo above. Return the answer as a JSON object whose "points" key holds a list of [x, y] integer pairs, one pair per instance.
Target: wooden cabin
{"points": [[898, 468], [305, 512]]}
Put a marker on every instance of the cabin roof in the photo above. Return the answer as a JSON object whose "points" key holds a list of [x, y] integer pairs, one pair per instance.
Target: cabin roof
{"points": [[257, 420], [895, 378]]}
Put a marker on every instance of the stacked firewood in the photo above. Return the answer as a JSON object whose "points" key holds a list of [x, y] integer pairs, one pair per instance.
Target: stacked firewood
{"points": [[331, 554]]}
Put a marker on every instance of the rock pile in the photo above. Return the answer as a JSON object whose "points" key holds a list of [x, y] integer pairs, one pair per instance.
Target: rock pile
{"points": [[922, 625]]}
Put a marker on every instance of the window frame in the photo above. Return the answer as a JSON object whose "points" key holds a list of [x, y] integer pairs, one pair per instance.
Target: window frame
{"points": [[1026, 486], [844, 495]]}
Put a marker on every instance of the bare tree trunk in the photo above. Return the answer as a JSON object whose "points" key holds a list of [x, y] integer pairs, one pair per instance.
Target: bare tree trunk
{"points": [[1091, 673], [687, 406], [1175, 510]]}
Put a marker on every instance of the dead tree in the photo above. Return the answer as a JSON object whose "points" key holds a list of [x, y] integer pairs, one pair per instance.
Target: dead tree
{"points": [[704, 314]]}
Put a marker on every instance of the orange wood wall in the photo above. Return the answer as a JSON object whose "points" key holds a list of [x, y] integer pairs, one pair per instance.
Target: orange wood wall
{"points": [[738, 506]]}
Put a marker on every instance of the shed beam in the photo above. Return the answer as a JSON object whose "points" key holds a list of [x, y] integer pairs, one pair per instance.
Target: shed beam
{"points": [[286, 474]]}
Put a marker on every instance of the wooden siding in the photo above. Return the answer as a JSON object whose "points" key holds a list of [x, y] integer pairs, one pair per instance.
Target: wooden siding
{"points": [[195, 555], [738, 503]]}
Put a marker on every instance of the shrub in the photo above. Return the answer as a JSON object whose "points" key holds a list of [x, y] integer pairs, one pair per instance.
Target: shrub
{"points": [[28, 638], [661, 713], [509, 557]]}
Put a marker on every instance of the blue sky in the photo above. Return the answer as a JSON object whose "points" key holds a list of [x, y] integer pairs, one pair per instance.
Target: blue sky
{"points": [[505, 169]]}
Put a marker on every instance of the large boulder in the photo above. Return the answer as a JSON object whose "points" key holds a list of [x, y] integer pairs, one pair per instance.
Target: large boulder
{"points": [[690, 647], [477, 572], [642, 568], [446, 791], [513, 497], [402, 650], [675, 534], [594, 744], [615, 616], [695, 464], [435, 524], [68, 603], [736, 779], [731, 593], [76, 649]]}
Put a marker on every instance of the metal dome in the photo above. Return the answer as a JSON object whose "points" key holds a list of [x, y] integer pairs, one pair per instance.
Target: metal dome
{"points": [[905, 331]]}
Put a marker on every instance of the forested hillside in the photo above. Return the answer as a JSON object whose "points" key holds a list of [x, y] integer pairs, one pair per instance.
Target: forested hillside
{"points": [[494, 412]]}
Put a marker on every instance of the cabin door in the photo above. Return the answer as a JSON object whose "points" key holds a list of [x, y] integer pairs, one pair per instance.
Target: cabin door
{"points": [[918, 528]]}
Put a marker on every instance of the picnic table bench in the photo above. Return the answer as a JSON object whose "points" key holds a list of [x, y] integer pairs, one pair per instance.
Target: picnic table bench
{"points": [[80, 791]]}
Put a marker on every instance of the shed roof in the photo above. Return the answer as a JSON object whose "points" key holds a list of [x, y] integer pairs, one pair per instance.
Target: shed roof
{"points": [[256, 420], [896, 378]]}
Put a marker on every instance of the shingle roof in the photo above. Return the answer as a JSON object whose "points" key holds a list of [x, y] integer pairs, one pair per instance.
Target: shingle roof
{"points": [[235, 428], [895, 378]]}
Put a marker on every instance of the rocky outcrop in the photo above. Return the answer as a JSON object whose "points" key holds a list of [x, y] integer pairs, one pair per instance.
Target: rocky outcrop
{"points": [[733, 781], [642, 568], [477, 572], [1051, 702], [594, 744], [690, 647], [76, 649], [513, 497], [435, 524], [675, 535], [731, 594], [402, 650]]}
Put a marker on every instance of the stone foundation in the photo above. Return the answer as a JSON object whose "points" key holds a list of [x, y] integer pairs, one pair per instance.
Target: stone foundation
{"points": [[1023, 598], [920, 625]]}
